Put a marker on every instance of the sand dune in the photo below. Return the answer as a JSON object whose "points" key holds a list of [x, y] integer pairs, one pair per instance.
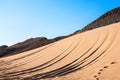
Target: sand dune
{"points": [[92, 55]]}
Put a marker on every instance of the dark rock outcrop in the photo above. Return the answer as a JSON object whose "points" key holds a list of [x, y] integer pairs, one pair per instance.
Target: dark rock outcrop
{"points": [[3, 50], [110, 17], [26, 45]]}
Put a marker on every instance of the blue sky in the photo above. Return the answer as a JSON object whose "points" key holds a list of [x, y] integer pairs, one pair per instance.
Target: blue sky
{"points": [[23, 19]]}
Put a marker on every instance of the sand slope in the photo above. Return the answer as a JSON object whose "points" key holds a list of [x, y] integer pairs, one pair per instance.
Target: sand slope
{"points": [[92, 55]]}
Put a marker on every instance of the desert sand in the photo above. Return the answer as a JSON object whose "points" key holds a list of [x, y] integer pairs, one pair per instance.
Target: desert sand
{"points": [[91, 55]]}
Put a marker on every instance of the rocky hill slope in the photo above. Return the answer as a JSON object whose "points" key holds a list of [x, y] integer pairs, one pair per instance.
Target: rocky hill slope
{"points": [[110, 17]]}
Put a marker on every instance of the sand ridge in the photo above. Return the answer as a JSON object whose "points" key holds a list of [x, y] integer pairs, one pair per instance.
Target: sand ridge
{"points": [[85, 56]]}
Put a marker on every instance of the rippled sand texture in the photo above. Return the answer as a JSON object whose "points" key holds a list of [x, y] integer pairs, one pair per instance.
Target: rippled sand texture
{"points": [[92, 55]]}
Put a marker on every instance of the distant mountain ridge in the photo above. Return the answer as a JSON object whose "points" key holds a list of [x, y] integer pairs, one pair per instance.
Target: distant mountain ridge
{"points": [[110, 17]]}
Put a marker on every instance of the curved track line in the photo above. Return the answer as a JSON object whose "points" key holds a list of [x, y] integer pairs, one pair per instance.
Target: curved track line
{"points": [[72, 62], [27, 55], [67, 54], [23, 61], [90, 56], [56, 71], [108, 48], [41, 64], [61, 69], [96, 57]]}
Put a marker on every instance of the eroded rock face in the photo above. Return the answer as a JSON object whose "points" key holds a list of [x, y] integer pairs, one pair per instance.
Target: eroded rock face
{"points": [[110, 17]]}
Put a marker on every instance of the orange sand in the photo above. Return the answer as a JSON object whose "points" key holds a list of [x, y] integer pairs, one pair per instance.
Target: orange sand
{"points": [[92, 55]]}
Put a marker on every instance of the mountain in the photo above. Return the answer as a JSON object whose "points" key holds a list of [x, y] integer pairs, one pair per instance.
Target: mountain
{"points": [[110, 17]]}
